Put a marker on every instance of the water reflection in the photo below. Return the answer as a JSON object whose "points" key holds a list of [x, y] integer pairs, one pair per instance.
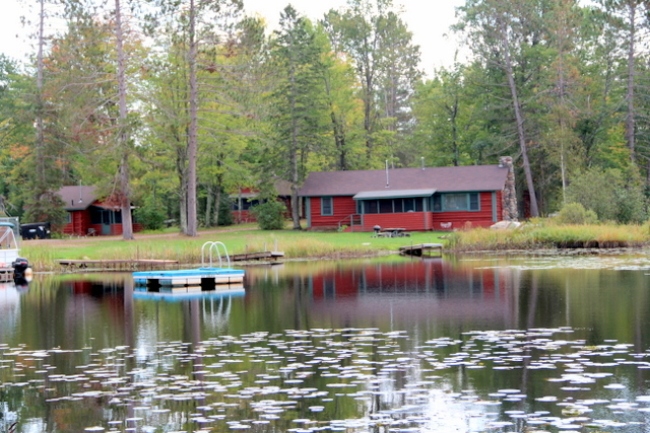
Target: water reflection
{"points": [[414, 345]]}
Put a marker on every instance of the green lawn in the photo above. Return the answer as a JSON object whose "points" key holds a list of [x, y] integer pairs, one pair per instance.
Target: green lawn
{"points": [[43, 254]]}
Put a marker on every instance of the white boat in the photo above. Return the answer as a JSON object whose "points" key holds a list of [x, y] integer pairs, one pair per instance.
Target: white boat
{"points": [[8, 245], [12, 266]]}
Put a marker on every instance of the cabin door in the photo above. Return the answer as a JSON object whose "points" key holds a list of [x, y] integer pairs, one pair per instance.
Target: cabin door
{"points": [[107, 217]]}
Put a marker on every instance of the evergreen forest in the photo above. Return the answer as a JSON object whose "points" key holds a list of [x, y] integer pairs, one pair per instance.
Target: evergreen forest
{"points": [[173, 106]]}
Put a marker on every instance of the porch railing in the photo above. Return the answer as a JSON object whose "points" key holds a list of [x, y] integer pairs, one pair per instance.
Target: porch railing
{"points": [[352, 220]]}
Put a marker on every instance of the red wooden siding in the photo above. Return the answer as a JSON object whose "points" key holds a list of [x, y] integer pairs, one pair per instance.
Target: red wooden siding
{"points": [[346, 206], [466, 219], [245, 216], [242, 216], [81, 223], [342, 208]]}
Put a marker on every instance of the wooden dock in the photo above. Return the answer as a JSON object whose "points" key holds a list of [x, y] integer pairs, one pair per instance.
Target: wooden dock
{"points": [[420, 250], [264, 255], [115, 265]]}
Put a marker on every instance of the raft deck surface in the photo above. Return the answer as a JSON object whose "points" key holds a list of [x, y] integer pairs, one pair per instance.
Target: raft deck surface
{"points": [[420, 249], [205, 277]]}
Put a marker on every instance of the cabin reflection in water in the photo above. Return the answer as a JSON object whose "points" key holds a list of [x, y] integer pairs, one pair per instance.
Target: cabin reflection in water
{"points": [[417, 289]]}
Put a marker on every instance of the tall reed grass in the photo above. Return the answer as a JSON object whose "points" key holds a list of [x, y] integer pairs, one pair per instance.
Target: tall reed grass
{"points": [[545, 234]]}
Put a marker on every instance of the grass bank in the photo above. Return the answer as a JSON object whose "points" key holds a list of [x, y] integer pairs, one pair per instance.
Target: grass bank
{"points": [[543, 234], [170, 245]]}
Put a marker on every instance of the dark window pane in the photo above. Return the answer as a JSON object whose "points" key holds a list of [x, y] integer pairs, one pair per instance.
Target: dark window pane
{"points": [[326, 206], [370, 206], [95, 215], [386, 206], [419, 204], [473, 201], [437, 203], [454, 202]]}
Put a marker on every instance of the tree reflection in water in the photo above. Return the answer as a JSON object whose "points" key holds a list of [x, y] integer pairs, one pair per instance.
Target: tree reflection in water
{"points": [[409, 344]]}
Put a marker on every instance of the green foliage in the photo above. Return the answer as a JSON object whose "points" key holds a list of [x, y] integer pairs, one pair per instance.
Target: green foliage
{"points": [[224, 217], [270, 215], [612, 196], [575, 213], [151, 215], [45, 206]]}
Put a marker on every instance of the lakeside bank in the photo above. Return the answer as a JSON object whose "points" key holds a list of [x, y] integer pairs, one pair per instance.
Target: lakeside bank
{"points": [[44, 255]]}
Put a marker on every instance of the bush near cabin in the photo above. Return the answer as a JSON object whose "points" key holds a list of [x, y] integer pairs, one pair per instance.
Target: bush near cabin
{"points": [[270, 215]]}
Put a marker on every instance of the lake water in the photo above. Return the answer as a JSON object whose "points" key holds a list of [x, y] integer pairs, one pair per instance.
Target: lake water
{"points": [[392, 345]]}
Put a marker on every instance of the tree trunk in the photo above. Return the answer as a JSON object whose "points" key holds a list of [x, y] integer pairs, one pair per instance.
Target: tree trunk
{"points": [[295, 174], [630, 118], [40, 136], [183, 206], [217, 206], [122, 138], [534, 211], [192, 131], [208, 205]]}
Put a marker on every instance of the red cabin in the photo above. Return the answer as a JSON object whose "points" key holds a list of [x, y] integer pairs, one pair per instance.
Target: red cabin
{"points": [[247, 198], [88, 215], [416, 199]]}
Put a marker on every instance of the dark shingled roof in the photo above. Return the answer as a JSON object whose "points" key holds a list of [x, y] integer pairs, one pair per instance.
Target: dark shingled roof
{"points": [[442, 179], [77, 197]]}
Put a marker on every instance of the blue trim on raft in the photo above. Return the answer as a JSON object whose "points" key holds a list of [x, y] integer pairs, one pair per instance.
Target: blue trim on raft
{"points": [[208, 272], [144, 276]]}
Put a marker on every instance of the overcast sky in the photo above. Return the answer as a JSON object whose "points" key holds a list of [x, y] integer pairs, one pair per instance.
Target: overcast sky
{"points": [[429, 20]]}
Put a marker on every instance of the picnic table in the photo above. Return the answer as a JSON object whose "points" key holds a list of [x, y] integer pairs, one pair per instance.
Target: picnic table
{"points": [[392, 232]]}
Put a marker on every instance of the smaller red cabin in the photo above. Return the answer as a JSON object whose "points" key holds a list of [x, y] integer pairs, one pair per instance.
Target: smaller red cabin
{"points": [[90, 216], [246, 198]]}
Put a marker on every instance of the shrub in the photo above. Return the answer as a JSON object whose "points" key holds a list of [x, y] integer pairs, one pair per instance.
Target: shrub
{"points": [[610, 194], [575, 213], [270, 215], [151, 214], [224, 217]]}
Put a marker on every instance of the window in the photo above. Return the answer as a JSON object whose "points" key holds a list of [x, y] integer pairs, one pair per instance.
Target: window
{"points": [[386, 206], [370, 206], [473, 201], [452, 202], [392, 205], [326, 206], [456, 202]]}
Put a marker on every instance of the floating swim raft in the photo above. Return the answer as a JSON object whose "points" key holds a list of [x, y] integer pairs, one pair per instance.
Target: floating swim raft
{"points": [[189, 277], [207, 277]]}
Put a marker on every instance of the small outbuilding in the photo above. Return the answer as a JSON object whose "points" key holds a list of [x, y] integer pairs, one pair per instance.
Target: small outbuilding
{"points": [[89, 215]]}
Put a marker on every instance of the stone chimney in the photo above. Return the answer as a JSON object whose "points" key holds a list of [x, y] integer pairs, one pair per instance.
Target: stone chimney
{"points": [[509, 200]]}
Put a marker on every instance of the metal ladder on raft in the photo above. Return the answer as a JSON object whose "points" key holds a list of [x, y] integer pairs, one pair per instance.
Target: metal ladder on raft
{"points": [[214, 246]]}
